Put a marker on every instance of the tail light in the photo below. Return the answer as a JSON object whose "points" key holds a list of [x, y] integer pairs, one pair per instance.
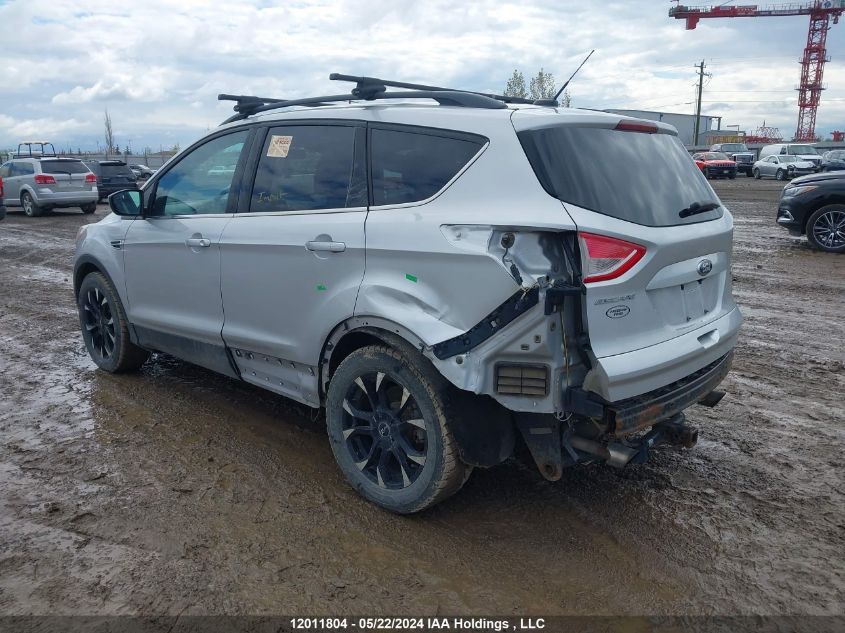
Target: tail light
{"points": [[605, 258], [90, 178], [43, 179], [1, 187], [637, 126]]}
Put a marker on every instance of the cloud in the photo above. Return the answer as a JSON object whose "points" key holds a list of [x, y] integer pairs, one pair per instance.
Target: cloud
{"points": [[158, 65]]}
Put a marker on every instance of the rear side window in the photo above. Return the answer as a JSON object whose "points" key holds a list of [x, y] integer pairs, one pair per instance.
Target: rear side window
{"points": [[22, 169], [409, 166], [63, 167], [4, 170], [308, 168], [643, 178]]}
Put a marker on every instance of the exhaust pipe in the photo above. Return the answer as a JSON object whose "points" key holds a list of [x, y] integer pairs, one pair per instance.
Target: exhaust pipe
{"points": [[615, 454]]}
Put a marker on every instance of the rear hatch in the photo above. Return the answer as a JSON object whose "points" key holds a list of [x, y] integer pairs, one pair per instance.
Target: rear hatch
{"points": [[69, 174], [655, 240], [116, 174]]}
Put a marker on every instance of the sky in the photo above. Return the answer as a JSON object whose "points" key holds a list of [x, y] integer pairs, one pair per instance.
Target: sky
{"points": [[158, 65]]}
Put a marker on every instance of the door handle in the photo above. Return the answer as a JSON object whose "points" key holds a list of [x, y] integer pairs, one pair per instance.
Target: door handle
{"points": [[331, 247], [195, 242]]}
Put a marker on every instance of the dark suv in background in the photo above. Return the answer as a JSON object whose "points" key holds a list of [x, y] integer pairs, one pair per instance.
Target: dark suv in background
{"points": [[112, 175]]}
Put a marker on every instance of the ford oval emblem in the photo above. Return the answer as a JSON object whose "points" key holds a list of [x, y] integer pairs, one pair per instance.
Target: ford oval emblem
{"points": [[704, 267], [617, 312]]}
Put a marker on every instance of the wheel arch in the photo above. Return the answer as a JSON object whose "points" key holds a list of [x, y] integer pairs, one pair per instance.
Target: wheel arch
{"points": [[483, 428], [84, 266]]}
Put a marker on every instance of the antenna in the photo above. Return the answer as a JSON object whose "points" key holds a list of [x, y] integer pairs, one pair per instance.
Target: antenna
{"points": [[566, 83]]}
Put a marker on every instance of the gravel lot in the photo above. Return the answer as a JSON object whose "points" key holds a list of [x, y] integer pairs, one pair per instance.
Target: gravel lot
{"points": [[178, 491]]}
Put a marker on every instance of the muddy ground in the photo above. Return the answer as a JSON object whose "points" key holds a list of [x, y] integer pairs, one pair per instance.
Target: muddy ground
{"points": [[179, 491]]}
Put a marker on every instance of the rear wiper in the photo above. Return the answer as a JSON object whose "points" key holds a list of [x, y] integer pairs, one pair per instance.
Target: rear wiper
{"points": [[698, 207]]}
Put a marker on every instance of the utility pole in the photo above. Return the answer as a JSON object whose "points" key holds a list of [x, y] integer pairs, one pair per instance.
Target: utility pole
{"points": [[698, 101]]}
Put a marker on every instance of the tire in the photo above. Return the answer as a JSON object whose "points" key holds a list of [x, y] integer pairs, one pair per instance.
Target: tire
{"points": [[105, 328], [756, 173], [780, 175], [89, 208], [29, 206], [749, 173], [826, 229], [390, 410], [732, 176], [707, 173]]}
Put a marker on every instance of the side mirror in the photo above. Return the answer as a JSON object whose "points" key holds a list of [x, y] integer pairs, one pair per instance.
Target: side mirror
{"points": [[128, 202]]}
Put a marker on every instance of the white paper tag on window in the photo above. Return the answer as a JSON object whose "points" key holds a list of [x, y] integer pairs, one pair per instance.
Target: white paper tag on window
{"points": [[279, 146]]}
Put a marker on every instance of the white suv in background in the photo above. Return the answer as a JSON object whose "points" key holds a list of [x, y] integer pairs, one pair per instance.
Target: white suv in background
{"points": [[47, 182], [443, 271]]}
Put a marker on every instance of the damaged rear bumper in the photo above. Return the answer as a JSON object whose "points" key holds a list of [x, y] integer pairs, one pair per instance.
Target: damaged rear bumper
{"points": [[640, 412]]}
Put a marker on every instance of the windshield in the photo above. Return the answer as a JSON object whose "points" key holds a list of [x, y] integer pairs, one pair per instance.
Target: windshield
{"points": [[643, 178], [835, 155], [715, 156], [734, 147], [788, 159], [796, 150], [63, 167]]}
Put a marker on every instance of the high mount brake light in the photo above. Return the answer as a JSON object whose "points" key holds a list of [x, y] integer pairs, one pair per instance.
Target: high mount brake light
{"points": [[42, 179], [605, 258], [632, 126]]}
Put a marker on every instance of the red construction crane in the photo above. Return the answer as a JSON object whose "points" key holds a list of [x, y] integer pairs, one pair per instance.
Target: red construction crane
{"points": [[821, 13]]}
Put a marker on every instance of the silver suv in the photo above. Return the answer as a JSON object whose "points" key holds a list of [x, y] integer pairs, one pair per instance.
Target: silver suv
{"points": [[44, 183], [444, 277]]}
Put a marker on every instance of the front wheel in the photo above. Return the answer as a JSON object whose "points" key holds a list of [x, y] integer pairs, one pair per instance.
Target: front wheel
{"points": [[756, 173], [707, 173], [105, 328], [388, 414], [781, 175], [29, 205], [826, 228]]}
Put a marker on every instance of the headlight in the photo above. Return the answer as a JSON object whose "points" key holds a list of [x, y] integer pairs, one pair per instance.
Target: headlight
{"points": [[791, 192]]}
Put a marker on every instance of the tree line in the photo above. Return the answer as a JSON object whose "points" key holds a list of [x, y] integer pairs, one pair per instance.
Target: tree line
{"points": [[540, 86]]}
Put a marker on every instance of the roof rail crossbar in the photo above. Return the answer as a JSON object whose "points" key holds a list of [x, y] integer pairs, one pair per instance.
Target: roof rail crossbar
{"points": [[248, 106], [365, 82]]}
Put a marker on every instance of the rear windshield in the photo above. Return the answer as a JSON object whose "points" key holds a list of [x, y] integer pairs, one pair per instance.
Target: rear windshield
{"points": [[643, 178], [116, 170], [63, 167]]}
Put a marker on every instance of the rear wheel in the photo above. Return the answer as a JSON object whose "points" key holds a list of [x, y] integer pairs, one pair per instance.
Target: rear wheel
{"points": [[89, 208], [105, 329], [826, 228], [29, 206], [388, 414], [780, 175]]}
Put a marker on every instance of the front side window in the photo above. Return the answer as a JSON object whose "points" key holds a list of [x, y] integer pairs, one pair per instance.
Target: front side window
{"points": [[200, 182], [410, 166], [308, 168]]}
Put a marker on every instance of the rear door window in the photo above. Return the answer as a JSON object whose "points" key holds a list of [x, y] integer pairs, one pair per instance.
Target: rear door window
{"points": [[309, 168], [410, 166], [643, 178]]}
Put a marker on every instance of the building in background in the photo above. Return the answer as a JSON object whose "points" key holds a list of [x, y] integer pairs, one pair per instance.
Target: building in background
{"points": [[684, 123]]}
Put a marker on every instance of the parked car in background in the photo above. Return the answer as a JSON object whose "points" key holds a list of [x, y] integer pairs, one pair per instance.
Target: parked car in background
{"points": [[739, 153], [142, 172], [43, 183], [715, 165], [782, 167], [391, 287], [833, 160], [802, 151], [815, 206], [112, 175]]}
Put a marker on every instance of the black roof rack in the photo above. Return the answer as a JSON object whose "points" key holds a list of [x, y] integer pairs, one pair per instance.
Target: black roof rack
{"points": [[372, 88], [30, 154]]}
